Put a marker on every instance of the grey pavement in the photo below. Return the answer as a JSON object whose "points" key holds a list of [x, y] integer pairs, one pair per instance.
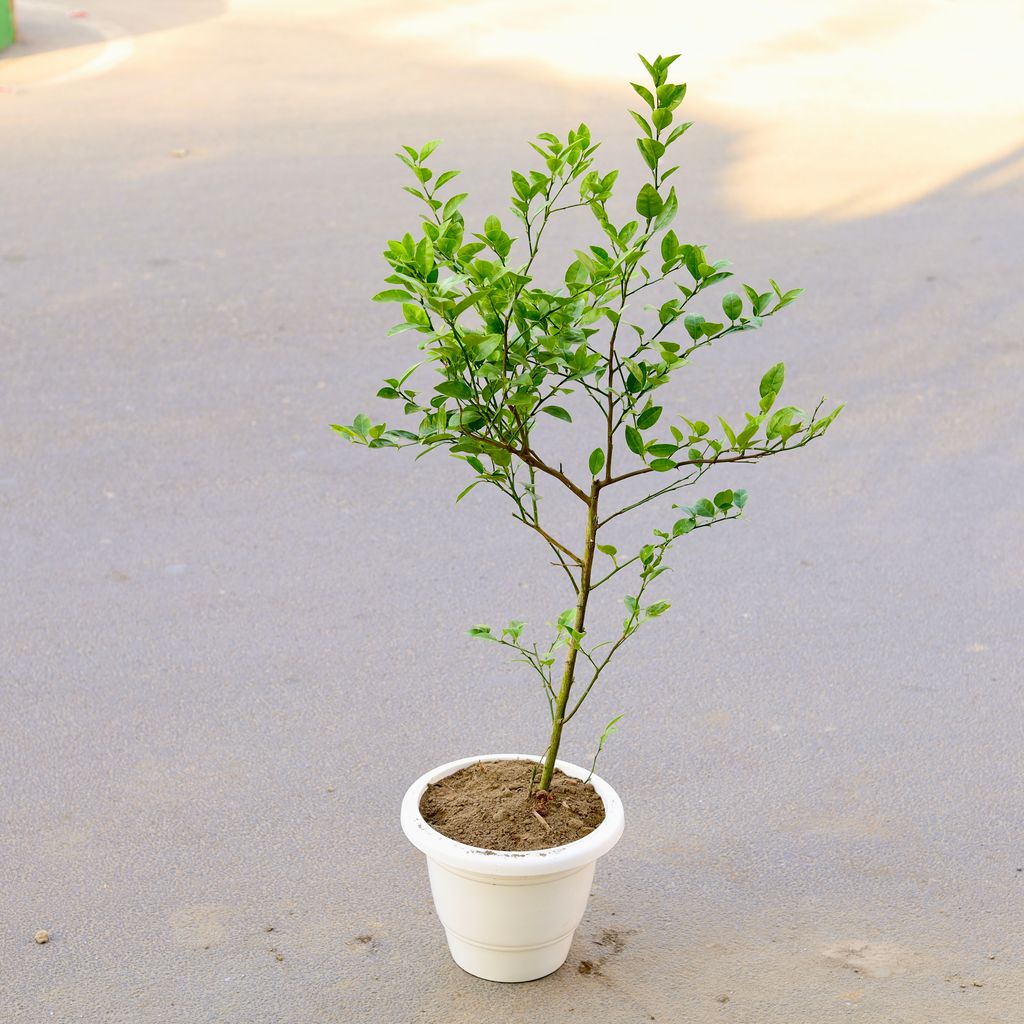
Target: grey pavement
{"points": [[229, 641]]}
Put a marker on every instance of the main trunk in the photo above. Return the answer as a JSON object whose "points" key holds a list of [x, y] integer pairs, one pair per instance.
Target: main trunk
{"points": [[569, 670]]}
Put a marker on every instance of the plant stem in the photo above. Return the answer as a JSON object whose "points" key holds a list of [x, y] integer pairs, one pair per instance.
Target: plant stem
{"points": [[569, 670]]}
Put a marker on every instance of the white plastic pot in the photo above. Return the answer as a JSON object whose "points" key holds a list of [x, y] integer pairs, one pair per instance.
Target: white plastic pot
{"points": [[510, 916]]}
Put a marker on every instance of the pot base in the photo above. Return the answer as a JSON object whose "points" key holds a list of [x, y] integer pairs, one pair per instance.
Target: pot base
{"points": [[501, 963]]}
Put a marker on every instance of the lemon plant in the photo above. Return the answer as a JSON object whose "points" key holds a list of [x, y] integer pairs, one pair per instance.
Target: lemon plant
{"points": [[502, 349]]}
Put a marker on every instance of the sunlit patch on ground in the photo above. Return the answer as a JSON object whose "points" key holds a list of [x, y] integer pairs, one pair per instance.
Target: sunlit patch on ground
{"points": [[843, 110]]}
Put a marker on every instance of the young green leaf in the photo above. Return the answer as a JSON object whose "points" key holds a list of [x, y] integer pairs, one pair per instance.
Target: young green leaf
{"points": [[392, 295], [667, 212], [466, 490], [771, 382], [454, 389], [557, 411], [645, 94], [648, 202], [648, 417]]}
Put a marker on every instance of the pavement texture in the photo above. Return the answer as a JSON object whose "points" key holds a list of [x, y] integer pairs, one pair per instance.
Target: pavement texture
{"points": [[229, 641]]}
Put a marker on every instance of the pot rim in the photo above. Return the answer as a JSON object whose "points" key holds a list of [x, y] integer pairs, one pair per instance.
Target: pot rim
{"points": [[553, 860]]}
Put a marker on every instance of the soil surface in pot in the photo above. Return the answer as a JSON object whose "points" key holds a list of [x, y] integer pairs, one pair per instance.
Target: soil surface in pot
{"points": [[487, 804]]}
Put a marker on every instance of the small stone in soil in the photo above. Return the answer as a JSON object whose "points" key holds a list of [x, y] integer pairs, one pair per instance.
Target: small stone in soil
{"points": [[585, 967], [722, 999], [42, 936]]}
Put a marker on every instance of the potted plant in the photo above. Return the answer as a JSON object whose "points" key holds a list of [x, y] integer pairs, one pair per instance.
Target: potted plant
{"points": [[519, 379]]}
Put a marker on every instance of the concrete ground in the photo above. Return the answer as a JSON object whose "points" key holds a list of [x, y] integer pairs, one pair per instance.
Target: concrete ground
{"points": [[229, 641]]}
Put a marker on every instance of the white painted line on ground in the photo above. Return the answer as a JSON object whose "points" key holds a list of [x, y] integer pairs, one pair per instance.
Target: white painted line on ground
{"points": [[119, 46]]}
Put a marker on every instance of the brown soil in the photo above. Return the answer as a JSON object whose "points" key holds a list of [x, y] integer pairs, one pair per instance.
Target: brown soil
{"points": [[488, 805]]}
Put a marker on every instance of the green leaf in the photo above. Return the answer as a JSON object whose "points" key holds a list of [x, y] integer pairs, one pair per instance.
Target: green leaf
{"points": [[662, 118], [783, 419], [645, 94], [443, 179], [596, 461], [392, 295], [658, 608], [668, 211], [739, 498], [454, 389], [662, 465], [724, 499], [362, 425], [729, 432], [576, 275], [682, 526], [820, 426], [610, 727], [694, 324], [771, 382], [487, 345], [466, 490], [453, 204], [787, 298], [557, 411], [464, 304], [653, 71], [732, 305], [648, 202], [514, 629], [704, 508], [664, 450], [677, 131], [648, 417], [670, 96], [747, 434], [415, 315], [424, 258], [634, 441], [640, 120], [608, 549]]}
